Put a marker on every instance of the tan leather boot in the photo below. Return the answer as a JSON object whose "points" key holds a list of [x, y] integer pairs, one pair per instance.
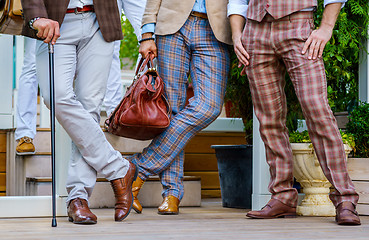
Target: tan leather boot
{"points": [[169, 206], [136, 186], [25, 146]]}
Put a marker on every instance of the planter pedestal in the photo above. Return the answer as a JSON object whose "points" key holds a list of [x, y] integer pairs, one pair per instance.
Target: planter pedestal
{"points": [[316, 201], [309, 174]]}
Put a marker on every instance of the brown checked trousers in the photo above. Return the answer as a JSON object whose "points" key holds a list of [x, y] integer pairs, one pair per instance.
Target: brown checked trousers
{"points": [[275, 47]]}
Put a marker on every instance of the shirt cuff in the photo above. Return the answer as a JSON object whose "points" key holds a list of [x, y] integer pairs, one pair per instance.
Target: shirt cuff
{"points": [[148, 27], [239, 9], [326, 2]]}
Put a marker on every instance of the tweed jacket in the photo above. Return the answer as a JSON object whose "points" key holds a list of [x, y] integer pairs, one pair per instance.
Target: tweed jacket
{"points": [[107, 15], [170, 15], [277, 8]]}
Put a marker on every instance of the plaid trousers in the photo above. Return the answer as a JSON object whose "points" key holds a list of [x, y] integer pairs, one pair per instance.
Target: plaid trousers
{"points": [[194, 51], [274, 47]]}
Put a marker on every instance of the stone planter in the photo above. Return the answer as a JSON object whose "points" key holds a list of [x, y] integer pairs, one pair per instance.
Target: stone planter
{"points": [[308, 173]]}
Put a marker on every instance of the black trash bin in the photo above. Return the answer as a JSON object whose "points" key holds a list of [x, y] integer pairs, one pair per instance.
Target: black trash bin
{"points": [[235, 174]]}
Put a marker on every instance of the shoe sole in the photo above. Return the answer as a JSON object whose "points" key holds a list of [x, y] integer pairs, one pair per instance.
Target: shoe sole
{"points": [[133, 179], [168, 213], [87, 222], [283, 215], [25, 153], [136, 210], [348, 223]]}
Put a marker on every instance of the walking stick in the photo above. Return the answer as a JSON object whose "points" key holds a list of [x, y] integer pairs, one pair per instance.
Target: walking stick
{"points": [[52, 122]]}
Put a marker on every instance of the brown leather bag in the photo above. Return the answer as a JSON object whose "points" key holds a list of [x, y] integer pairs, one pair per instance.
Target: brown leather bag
{"points": [[11, 20], [144, 112]]}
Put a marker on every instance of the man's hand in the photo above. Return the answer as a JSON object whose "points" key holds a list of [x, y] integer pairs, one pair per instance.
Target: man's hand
{"points": [[237, 25], [241, 53], [148, 46], [319, 38], [47, 29], [317, 41]]}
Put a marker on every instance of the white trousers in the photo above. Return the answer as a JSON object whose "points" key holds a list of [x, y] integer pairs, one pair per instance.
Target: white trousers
{"points": [[82, 63], [26, 110], [133, 10]]}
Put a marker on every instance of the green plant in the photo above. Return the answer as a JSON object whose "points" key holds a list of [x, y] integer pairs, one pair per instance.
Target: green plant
{"points": [[358, 126], [341, 54], [129, 45], [238, 93], [303, 137]]}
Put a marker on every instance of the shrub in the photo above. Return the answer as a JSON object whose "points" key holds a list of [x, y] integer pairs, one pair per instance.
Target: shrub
{"points": [[129, 45], [358, 126], [303, 137]]}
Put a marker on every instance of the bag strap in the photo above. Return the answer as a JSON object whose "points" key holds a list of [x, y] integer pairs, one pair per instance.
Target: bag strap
{"points": [[148, 61]]}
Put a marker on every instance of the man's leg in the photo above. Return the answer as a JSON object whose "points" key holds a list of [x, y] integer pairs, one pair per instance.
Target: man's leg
{"points": [[26, 111], [266, 76], [308, 77], [79, 114], [114, 88], [209, 68]]}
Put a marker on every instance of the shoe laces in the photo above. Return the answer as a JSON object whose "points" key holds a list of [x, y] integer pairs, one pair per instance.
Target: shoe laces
{"points": [[27, 139]]}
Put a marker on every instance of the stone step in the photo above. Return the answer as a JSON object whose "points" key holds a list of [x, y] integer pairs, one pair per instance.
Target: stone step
{"points": [[149, 196]]}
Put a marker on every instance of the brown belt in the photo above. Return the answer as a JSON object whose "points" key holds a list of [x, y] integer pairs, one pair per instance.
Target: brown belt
{"points": [[87, 8], [199, 14], [292, 16]]}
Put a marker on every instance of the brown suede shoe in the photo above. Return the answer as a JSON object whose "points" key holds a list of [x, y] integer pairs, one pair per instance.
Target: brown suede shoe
{"points": [[136, 186], [122, 188], [346, 214], [273, 209], [169, 206], [80, 213], [25, 146]]}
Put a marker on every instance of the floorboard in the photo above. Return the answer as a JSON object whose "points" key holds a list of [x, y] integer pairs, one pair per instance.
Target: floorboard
{"points": [[211, 221]]}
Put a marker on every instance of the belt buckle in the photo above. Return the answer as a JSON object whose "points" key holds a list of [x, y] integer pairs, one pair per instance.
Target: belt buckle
{"points": [[78, 10]]}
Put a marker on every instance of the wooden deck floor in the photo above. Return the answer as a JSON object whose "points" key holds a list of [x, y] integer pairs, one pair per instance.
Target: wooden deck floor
{"points": [[210, 221]]}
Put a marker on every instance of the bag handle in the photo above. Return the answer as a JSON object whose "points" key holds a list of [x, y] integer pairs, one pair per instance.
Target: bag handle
{"points": [[148, 61]]}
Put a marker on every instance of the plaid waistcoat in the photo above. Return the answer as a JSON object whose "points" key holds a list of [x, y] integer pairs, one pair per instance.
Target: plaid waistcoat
{"points": [[107, 15], [277, 8]]}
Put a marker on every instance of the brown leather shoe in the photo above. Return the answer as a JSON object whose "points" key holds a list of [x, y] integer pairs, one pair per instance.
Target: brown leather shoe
{"points": [[122, 188], [346, 214], [169, 206], [80, 213], [136, 186], [273, 209]]}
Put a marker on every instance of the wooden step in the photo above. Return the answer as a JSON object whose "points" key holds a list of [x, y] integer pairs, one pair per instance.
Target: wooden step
{"points": [[3, 147], [124, 145], [200, 158], [102, 196], [37, 166], [358, 169]]}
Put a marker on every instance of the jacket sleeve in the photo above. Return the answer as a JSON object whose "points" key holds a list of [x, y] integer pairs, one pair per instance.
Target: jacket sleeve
{"points": [[151, 11], [33, 9]]}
